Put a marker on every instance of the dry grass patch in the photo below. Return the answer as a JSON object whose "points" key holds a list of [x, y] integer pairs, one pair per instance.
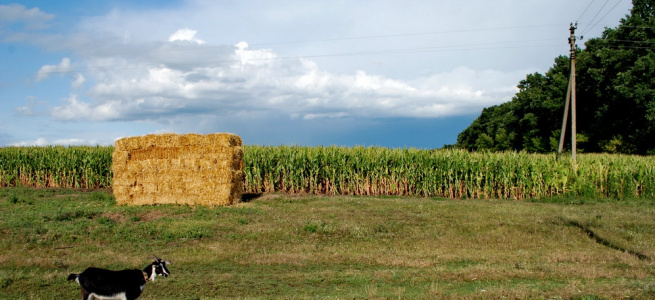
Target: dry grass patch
{"points": [[151, 215], [296, 259], [117, 217]]}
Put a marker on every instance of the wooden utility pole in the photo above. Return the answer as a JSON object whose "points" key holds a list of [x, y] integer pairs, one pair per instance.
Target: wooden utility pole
{"points": [[570, 101]]}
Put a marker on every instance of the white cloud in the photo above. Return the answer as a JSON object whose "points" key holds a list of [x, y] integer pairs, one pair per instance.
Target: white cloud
{"points": [[78, 82], [33, 17], [80, 110], [253, 57], [63, 67], [185, 34], [37, 142], [62, 142], [248, 80], [27, 110], [325, 115], [73, 141]]}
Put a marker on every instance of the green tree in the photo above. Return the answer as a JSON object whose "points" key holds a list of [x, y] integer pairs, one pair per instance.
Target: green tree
{"points": [[617, 84], [528, 121], [615, 96]]}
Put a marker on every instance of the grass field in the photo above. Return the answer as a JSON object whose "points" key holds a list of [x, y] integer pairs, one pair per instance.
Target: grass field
{"points": [[277, 246]]}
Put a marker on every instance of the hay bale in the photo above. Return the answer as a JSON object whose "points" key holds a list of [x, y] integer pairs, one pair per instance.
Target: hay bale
{"points": [[188, 169]]}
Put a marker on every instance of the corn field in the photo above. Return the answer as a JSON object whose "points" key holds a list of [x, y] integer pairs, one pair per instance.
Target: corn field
{"points": [[444, 173], [368, 171], [56, 166]]}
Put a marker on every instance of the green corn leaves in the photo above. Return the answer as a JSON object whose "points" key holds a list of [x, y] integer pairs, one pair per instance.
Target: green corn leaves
{"points": [[443, 173], [56, 166], [368, 171]]}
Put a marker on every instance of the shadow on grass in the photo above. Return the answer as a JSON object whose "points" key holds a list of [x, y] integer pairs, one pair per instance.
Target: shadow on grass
{"points": [[247, 197]]}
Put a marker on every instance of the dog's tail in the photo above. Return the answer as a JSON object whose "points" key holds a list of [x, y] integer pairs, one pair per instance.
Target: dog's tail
{"points": [[73, 276]]}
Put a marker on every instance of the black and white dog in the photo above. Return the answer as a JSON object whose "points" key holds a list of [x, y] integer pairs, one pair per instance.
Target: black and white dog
{"points": [[123, 285]]}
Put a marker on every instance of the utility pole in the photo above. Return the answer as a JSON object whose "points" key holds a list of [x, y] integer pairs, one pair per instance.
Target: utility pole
{"points": [[570, 101]]}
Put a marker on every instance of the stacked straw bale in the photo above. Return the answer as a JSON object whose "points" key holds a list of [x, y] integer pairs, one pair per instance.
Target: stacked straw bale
{"points": [[188, 169]]}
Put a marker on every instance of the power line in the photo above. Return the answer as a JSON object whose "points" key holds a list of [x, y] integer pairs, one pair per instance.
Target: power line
{"points": [[209, 48], [605, 15], [380, 52], [420, 50], [178, 48], [585, 10], [356, 38], [445, 48], [597, 13], [406, 34]]}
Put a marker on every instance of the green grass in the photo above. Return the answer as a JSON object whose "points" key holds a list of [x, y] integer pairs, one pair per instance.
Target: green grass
{"points": [[331, 247]]}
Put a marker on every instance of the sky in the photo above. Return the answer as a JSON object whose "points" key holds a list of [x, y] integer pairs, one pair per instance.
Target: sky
{"points": [[410, 73]]}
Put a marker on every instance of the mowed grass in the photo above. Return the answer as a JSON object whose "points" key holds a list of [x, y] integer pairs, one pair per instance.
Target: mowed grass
{"points": [[277, 246]]}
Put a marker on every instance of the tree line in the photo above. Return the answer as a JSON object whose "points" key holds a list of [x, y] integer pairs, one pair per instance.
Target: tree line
{"points": [[615, 94]]}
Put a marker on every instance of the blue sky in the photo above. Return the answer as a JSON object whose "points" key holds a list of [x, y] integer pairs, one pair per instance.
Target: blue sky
{"points": [[385, 73]]}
